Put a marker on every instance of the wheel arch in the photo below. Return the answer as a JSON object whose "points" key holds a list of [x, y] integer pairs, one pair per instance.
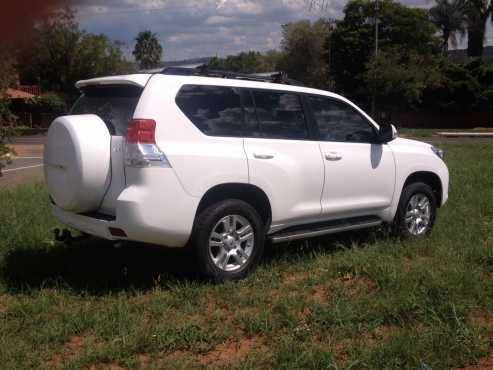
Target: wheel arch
{"points": [[429, 178], [248, 193]]}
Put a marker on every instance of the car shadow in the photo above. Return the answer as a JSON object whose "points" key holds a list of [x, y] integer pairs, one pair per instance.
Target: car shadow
{"points": [[97, 267]]}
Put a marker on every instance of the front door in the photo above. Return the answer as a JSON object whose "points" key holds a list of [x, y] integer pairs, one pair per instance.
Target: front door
{"points": [[359, 171]]}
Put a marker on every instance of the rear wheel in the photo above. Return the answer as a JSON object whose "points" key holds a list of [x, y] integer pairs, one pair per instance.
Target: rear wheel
{"points": [[416, 212], [228, 240]]}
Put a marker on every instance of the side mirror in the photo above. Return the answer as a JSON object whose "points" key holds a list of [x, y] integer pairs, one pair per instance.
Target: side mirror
{"points": [[386, 133]]}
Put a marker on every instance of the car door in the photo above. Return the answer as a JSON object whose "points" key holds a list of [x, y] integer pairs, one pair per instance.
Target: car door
{"points": [[282, 159], [359, 171]]}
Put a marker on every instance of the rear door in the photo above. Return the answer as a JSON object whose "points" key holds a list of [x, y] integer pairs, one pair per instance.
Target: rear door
{"points": [[282, 158], [359, 171], [115, 105]]}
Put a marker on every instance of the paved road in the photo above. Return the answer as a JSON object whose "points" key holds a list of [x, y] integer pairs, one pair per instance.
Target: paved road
{"points": [[27, 165], [32, 140]]}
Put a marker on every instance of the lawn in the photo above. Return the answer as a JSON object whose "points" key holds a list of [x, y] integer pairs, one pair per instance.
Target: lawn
{"points": [[352, 301], [429, 132]]}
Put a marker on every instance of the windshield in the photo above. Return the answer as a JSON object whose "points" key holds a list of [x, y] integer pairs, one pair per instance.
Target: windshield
{"points": [[114, 104]]}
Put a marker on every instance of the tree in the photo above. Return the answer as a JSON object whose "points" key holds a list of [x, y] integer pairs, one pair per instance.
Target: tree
{"points": [[402, 30], [7, 78], [304, 52], [63, 54], [450, 18], [477, 14], [247, 62], [461, 88], [147, 50], [244, 62], [399, 81]]}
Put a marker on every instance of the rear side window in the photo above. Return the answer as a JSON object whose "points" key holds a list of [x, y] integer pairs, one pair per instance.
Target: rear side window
{"points": [[280, 115], [214, 110], [114, 104]]}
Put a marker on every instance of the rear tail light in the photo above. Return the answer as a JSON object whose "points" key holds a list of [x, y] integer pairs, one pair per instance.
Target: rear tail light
{"points": [[141, 149], [141, 131]]}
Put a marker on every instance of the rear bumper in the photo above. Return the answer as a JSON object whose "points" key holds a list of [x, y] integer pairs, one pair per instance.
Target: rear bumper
{"points": [[160, 212], [89, 225]]}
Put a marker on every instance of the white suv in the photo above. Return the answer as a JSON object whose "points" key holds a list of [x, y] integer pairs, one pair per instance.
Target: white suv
{"points": [[221, 162]]}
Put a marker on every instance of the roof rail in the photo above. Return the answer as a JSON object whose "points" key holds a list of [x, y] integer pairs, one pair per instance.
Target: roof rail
{"points": [[204, 71]]}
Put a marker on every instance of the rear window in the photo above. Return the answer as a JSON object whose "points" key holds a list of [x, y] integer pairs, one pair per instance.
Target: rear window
{"points": [[115, 105], [214, 110]]}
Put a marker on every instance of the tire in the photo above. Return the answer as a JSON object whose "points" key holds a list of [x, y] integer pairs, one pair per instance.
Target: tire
{"points": [[77, 162], [412, 209], [223, 256]]}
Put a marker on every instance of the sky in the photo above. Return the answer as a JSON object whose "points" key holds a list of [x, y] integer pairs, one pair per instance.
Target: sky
{"points": [[202, 28]]}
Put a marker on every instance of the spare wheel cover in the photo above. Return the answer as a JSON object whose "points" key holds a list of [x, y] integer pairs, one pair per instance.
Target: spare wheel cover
{"points": [[77, 162]]}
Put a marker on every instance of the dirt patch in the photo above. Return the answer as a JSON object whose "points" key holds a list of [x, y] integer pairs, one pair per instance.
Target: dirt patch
{"points": [[342, 348], [4, 302], [355, 284], [232, 351], [350, 283], [369, 339], [295, 277], [223, 355], [144, 360], [319, 294], [110, 366], [483, 321], [70, 350], [378, 335], [486, 363]]}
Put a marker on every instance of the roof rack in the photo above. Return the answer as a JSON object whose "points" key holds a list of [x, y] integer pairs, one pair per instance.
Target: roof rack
{"points": [[204, 71]]}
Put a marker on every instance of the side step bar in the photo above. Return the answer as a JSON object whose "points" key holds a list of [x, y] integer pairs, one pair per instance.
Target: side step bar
{"points": [[328, 228]]}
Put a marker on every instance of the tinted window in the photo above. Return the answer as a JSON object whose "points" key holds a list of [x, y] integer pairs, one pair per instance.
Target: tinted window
{"points": [[214, 110], [280, 115], [252, 126], [338, 121], [115, 105]]}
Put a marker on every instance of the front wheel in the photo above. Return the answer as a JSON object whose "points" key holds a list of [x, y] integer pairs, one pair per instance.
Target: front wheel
{"points": [[416, 212], [228, 240]]}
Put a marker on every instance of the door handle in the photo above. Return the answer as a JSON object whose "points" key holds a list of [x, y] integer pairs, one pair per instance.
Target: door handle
{"points": [[333, 156], [263, 156]]}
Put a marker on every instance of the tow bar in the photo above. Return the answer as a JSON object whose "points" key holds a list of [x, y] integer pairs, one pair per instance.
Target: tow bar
{"points": [[65, 236]]}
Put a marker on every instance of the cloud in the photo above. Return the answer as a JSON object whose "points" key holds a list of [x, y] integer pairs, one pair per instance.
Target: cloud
{"points": [[219, 19], [196, 28]]}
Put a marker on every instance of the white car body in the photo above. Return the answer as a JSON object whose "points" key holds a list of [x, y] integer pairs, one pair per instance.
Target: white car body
{"points": [[305, 181]]}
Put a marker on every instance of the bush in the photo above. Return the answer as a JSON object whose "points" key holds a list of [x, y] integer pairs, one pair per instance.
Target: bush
{"points": [[6, 131], [48, 103]]}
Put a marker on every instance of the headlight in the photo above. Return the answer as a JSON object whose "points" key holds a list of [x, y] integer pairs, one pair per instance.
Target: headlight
{"points": [[437, 151]]}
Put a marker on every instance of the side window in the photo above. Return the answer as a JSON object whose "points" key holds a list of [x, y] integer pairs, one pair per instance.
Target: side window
{"points": [[280, 115], [214, 110], [338, 121], [252, 126]]}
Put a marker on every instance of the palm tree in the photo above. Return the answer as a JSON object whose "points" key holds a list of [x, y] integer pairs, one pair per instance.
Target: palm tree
{"points": [[477, 14], [450, 18], [147, 50]]}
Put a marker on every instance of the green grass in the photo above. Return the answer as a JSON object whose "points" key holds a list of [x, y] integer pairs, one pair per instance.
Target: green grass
{"points": [[429, 132], [352, 301]]}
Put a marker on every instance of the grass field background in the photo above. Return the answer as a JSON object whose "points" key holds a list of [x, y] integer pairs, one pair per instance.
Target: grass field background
{"points": [[351, 301]]}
